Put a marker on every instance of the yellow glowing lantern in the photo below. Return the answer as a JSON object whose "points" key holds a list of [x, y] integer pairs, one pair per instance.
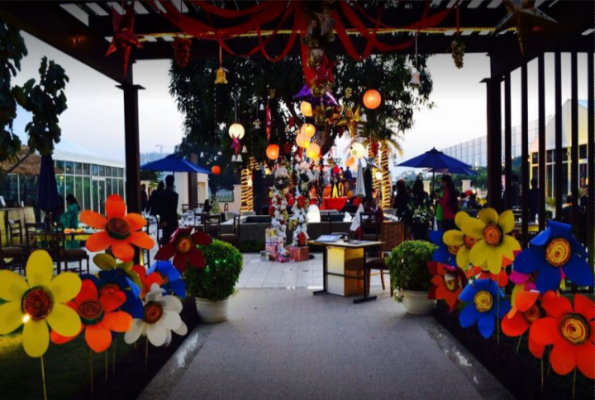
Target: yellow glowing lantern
{"points": [[306, 109], [236, 130], [302, 140], [313, 151], [372, 99], [357, 151], [273, 151], [309, 130]]}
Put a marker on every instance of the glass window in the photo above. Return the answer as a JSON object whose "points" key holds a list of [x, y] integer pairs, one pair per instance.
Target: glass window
{"points": [[550, 156], [565, 154], [108, 171], [121, 188], [69, 186], [121, 172], [60, 182], [108, 187], [60, 165], [115, 172], [535, 158], [78, 168], [28, 187], [86, 169], [78, 190], [87, 192], [583, 151], [101, 169], [9, 189], [95, 169], [68, 167]]}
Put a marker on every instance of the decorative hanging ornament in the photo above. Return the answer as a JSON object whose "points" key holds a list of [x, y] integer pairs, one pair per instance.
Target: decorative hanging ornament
{"points": [[313, 151], [524, 17], [374, 147], [244, 150], [287, 147], [221, 79], [272, 152], [302, 140], [216, 170], [357, 150], [372, 99], [124, 37], [181, 48], [415, 79], [236, 131], [235, 145], [256, 124], [309, 130], [457, 47], [306, 109]]}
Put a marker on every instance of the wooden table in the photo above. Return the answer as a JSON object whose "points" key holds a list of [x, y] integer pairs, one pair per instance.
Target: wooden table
{"points": [[345, 267]]}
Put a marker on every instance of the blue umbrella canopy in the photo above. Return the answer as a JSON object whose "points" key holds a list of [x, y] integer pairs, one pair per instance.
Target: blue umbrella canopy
{"points": [[437, 161], [173, 163], [48, 198]]}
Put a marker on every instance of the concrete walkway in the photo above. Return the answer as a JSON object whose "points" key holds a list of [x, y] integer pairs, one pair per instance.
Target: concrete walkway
{"points": [[288, 344]]}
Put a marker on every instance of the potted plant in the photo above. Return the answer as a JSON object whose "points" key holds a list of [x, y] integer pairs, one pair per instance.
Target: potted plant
{"points": [[212, 286], [410, 276]]}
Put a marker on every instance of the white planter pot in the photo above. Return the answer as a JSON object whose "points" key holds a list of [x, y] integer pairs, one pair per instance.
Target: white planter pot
{"points": [[212, 312], [417, 303]]}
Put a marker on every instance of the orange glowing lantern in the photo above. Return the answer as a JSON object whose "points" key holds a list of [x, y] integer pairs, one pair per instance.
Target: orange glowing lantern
{"points": [[309, 130], [372, 99], [273, 151], [306, 109], [216, 170], [349, 162], [302, 140], [313, 151]]}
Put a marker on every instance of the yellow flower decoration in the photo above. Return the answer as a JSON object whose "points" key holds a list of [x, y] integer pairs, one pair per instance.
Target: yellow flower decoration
{"points": [[464, 242], [493, 242], [105, 262], [37, 302]]}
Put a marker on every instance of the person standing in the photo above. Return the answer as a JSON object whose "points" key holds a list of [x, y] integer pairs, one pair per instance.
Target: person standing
{"points": [[449, 203], [154, 200], [533, 200], [168, 209], [70, 219], [144, 198], [421, 211]]}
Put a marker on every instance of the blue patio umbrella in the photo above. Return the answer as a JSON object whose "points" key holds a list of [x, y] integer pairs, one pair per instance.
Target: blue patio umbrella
{"points": [[48, 198], [174, 163]]}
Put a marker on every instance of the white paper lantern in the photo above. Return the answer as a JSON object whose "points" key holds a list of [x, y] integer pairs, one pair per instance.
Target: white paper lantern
{"points": [[236, 130], [357, 150], [313, 213]]}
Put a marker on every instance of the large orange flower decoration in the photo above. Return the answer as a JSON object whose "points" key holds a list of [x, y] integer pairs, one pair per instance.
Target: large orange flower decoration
{"points": [[146, 279], [99, 316], [118, 231], [570, 330], [448, 283]]}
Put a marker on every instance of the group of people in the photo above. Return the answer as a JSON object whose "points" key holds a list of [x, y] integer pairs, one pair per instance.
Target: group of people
{"points": [[163, 203]]}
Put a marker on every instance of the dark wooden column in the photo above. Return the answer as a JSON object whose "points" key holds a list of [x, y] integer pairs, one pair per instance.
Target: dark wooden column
{"points": [[524, 156], [542, 139], [574, 161], [507, 141], [494, 141], [192, 184], [131, 142], [558, 193], [591, 160]]}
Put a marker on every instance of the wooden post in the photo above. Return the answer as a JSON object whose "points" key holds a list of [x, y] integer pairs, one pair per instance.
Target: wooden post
{"points": [[524, 156], [192, 184], [507, 142], [574, 160], [542, 139], [558, 124], [494, 140]]}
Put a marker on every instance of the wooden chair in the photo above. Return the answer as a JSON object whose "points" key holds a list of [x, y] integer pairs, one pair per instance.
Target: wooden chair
{"points": [[15, 255], [15, 228], [38, 238], [370, 226], [392, 234], [211, 225], [233, 238], [69, 255]]}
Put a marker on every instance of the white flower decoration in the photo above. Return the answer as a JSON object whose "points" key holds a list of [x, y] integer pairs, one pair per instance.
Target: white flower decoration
{"points": [[161, 317]]}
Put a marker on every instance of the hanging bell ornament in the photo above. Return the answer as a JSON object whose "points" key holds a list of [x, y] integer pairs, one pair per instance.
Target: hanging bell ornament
{"points": [[244, 150], [221, 80], [415, 79], [256, 124]]}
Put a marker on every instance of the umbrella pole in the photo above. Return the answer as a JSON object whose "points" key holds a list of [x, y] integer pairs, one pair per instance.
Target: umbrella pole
{"points": [[434, 218]]}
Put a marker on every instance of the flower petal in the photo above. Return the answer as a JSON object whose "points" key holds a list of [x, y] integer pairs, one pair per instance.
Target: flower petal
{"points": [[578, 271], [463, 258], [12, 286], [514, 326], [88, 292], [64, 320], [473, 227], [201, 238], [118, 321], [536, 349], [56, 338], [506, 221], [93, 219], [142, 240], [584, 306], [562, 357], [178, 288], [488, 216], [453, 237], [182, 330], [137, 329], [509, 246], [468, 294], [11, 317], [181, 261], [157, 333], [104, 261], [40, 268], [585, 359], [548, 278], [460, 217], [166, 252], [173, 303], [65, 287], [171, 319], [135, 221], [112, 301], [486, 324], [123, 250], [115, 207], [98, 337], [526, 300], [468, 316], [36, 338], [196, 258], [478, 255], [556, 306], [495, 260], [98, 241]]}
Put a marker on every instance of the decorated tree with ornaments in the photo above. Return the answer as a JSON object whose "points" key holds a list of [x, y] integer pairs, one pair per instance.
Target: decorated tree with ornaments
{"points": [[299, 220], [278, 208]]}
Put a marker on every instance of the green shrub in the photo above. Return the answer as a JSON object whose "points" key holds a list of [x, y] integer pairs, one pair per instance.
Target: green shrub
{"points": [[218, 279], [408, 266]]}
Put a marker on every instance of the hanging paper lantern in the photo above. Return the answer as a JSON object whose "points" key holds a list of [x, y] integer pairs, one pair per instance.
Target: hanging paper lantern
{"points": [[302, 140], [236, 130], [313, 151], [309, 130], [273, 151], [372, 99], [349, 162], [357, 150], [306, 109], [415, 79], [216, 170]]}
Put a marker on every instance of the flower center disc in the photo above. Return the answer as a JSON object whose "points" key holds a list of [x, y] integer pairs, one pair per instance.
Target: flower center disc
{"points": [[492, 235], [118, 228], [153, 312], [532, 314], [575, 329], [469, 241], [451, 284], [91, 312], [109, 288], [37, 303], [184, 244], [453, 250], [558, 252], [483, 301]]}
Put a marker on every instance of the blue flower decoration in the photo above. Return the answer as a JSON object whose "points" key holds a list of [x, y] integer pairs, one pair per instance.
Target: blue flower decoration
{"points": [[485, 305], [133, 304], [172, 279], [552, 251], [442, 254]]}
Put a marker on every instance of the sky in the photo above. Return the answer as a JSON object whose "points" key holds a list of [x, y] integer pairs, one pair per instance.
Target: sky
{"points": [[95, 117]]}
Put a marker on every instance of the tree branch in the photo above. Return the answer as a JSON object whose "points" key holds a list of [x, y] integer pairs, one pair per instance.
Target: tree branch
{"points": [[19, 161]]}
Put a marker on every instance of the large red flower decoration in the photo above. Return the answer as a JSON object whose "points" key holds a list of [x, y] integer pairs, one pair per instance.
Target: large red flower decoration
{"points": [[99, 316], [448, 283], [183, 248], [570, 330], [118, 230], [519, 319]]}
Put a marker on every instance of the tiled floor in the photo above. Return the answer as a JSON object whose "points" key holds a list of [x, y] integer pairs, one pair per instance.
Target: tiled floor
{"points": [[270, 274]]}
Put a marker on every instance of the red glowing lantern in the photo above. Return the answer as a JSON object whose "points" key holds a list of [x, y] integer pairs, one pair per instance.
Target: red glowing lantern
{"points": [[273, 151], [372, 99], [216, 170]]}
